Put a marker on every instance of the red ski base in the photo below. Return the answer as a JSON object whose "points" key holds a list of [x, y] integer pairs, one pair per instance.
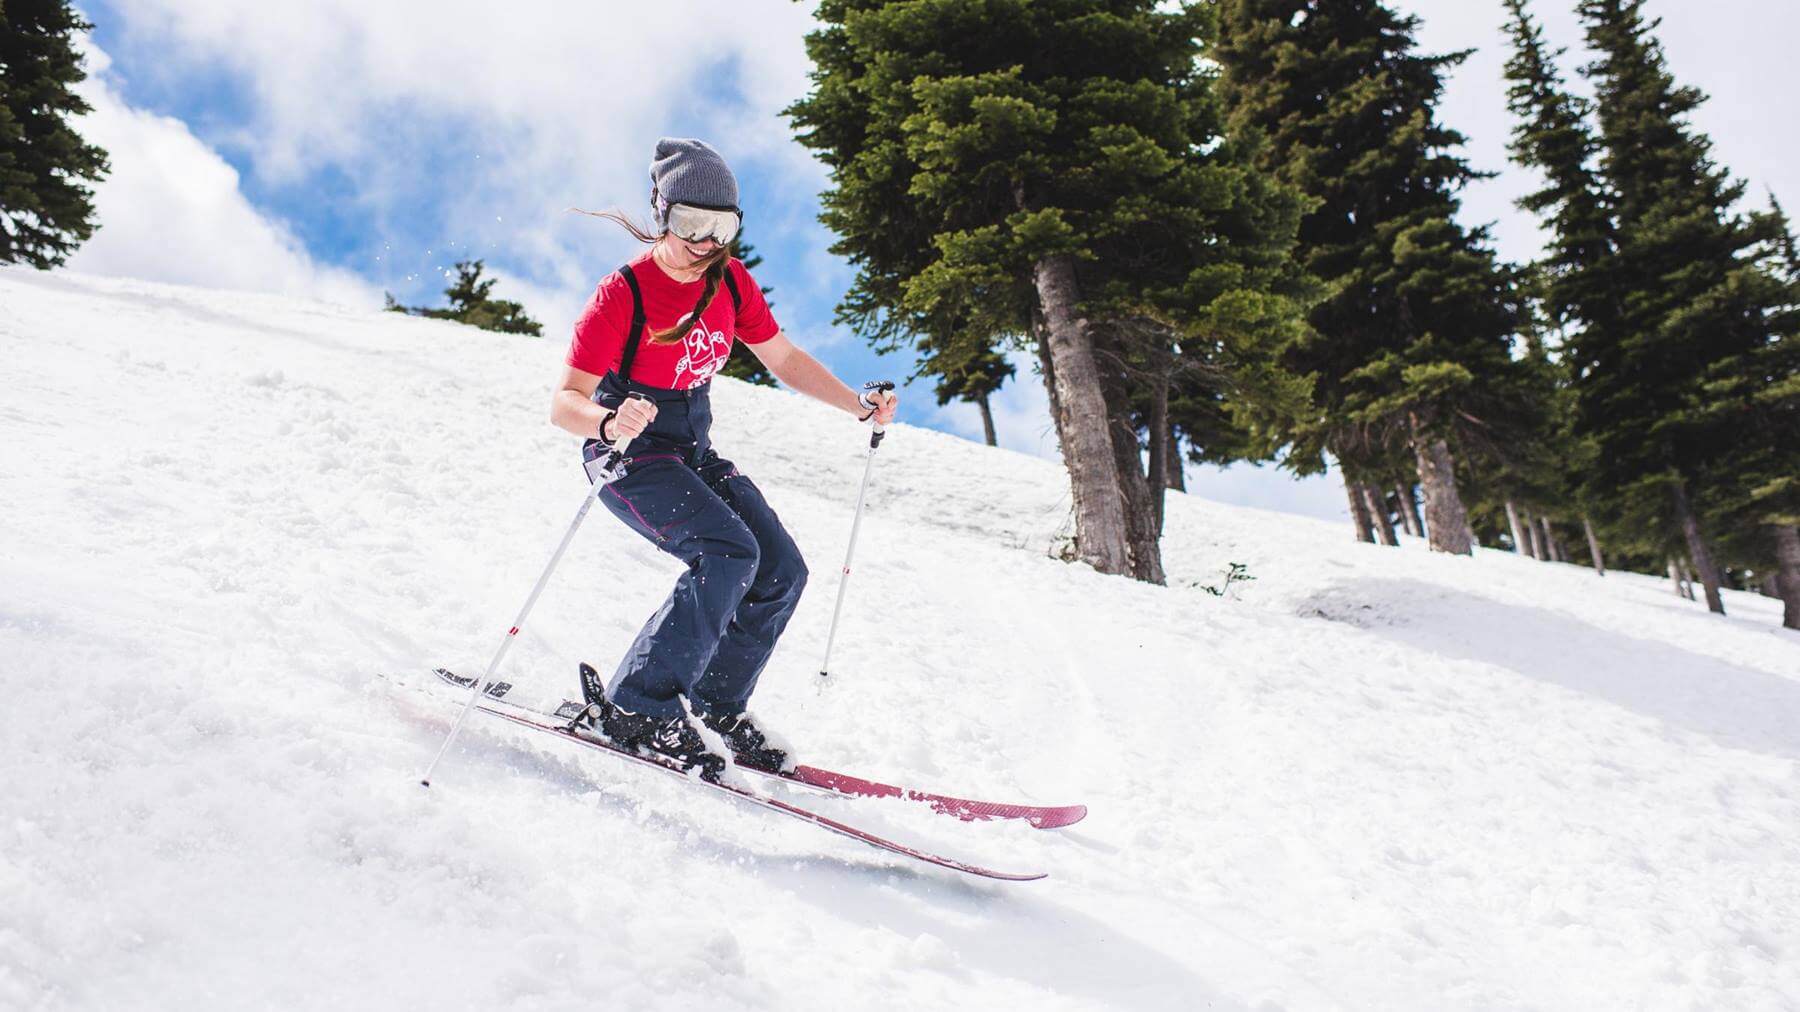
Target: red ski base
{"points": [[1040, 816], [773, 804]]}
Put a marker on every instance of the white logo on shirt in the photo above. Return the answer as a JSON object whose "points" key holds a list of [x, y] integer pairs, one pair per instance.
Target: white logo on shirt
{"points": [[707, 351]]}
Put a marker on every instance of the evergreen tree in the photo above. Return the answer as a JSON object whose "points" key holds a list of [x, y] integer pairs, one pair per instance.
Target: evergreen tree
{"points": [[970, 373], [1693, 304], [1513, 491], [993, 161], [471, 302], [45, 211], [1552, 135], [1413, 346], [1191, 342], [1584, 300], [1546, 481], [1785, 256], [1750, 488], [743, 363], [927, 114]]}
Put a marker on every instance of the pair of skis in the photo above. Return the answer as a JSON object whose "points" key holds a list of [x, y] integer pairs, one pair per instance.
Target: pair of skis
{"points": [[558, 722]]}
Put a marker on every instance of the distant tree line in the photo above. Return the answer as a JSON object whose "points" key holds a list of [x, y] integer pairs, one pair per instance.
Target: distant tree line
{"points": [[1228, 230], [471, 301]]}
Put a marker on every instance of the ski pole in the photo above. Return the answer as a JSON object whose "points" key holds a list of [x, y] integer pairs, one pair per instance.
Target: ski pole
{"points": [[603, 475], [855, 525]]}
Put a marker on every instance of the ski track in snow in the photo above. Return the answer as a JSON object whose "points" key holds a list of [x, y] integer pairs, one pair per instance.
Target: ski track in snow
{"points": [[1367, 779]]}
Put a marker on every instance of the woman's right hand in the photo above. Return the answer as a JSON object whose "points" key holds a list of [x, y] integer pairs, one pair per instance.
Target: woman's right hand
{"points": [[633, 417]]}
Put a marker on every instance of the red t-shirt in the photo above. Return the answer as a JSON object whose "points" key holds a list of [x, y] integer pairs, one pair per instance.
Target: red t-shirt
{"points": [[602, 328]]}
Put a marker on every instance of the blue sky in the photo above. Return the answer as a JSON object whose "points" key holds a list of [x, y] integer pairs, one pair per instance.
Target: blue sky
{"points": [[340, 149]]}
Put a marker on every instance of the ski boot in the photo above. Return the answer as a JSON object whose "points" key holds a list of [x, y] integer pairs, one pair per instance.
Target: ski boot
{"points": [[671, 739], [750, 745]]}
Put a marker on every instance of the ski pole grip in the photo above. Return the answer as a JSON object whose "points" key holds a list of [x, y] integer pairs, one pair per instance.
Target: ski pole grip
{"points": [[874, 387], [619, 445], [608, 466]]}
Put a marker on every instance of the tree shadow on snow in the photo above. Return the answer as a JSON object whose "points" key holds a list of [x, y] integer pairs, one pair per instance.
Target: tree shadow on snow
{"points": [[1735, 706]]}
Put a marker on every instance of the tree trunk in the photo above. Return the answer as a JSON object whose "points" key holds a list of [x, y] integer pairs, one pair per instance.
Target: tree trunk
{"points": [[1445, 519], [1081, 421], [1593, 540], [1719, 573], [1787, 577], [987, 420], [1687, 577], [1160, 450], [1378, 514], [1143, 527], [1048, 368], [1521, 544], [1409, 510], [1359, 512], [1531, 543], [1412, 508], [1697, 550], [1177, 477], [1681, 585], [1770, 586], [1552, 551]]}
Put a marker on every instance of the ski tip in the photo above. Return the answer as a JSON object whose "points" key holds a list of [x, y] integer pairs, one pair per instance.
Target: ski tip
{"points": [[424, 783], [1006, 876], [1057, 818]]}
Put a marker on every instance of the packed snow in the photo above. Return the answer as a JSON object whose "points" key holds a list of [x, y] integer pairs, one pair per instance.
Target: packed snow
{"points": [[240, 530]]}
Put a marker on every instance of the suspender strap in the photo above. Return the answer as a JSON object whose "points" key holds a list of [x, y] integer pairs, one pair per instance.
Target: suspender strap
{"points": [[737, 301], [637, 323]]}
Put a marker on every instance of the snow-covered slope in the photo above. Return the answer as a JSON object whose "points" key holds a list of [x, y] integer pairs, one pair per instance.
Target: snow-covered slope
{"points": [[1368, 779]]}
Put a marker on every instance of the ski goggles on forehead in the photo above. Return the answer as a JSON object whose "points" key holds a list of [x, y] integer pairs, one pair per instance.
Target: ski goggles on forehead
{"points": [[698, 224]]}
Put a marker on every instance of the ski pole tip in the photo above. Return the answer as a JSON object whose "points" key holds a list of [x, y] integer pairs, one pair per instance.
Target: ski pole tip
{"points": [[425, 783]]}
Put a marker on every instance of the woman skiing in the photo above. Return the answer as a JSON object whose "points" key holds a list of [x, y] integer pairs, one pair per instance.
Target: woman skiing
{"points": [[662, 326]]}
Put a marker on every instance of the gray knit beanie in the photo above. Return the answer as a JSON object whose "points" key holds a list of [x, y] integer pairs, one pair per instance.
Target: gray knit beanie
{"points": [[688, 171]]}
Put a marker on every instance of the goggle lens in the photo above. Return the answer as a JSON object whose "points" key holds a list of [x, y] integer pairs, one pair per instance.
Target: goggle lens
{"points": [[698, 224]]}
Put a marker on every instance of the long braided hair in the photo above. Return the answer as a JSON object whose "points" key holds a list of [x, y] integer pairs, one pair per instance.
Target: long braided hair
{"points": [[716, 263]]}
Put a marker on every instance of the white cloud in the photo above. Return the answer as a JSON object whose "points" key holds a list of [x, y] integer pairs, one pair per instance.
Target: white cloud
{"points": [[536, 106], [171, 210]]}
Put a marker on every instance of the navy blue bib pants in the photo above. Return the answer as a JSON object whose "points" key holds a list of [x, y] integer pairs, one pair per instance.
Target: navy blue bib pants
{"points": [[711, 639]]}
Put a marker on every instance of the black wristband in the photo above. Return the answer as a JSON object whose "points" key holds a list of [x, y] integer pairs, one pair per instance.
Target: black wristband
{"points": [[611, 414]]}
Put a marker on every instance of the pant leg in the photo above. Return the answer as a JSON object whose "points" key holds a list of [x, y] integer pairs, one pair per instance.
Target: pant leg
{"points": [[766, 606], [671, 506]]}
